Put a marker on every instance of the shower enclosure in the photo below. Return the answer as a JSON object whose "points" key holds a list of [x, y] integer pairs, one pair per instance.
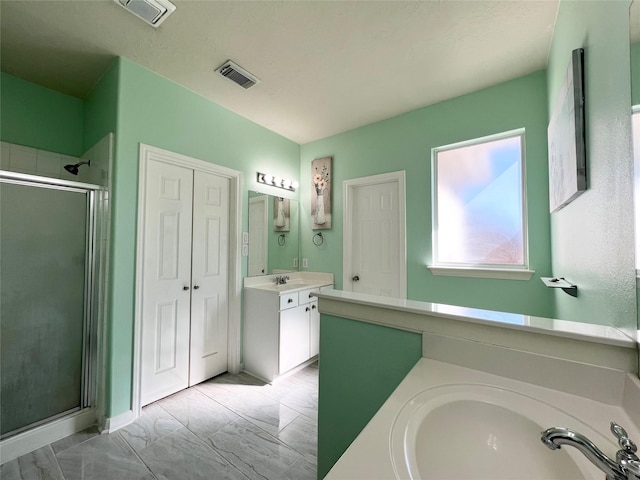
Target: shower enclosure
{"points": [[48, 297]]}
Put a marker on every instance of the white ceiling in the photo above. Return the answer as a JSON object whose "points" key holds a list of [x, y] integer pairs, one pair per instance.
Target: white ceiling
{"points": [[326, 66]]}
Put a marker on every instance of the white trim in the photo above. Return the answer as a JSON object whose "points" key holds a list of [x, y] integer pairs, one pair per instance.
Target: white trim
{"points": [[348, 186], [147, 153], [506, 274], [520, 132], [26, 442], [112, 424], [103, 315]]}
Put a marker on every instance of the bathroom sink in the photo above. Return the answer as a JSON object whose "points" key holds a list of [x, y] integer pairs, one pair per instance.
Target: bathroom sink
{"points": [[461, 432]]}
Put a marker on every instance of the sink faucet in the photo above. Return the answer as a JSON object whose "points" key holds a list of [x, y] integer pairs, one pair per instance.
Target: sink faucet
{"points": [[281, 279], [625, 467]]}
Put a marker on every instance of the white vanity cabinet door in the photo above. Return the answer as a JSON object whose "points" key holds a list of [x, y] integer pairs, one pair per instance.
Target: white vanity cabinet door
{"points": [[314, 329], [294, 337]]}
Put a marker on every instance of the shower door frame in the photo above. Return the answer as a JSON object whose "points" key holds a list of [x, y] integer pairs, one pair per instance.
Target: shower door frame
{"points": [[45, 431]]}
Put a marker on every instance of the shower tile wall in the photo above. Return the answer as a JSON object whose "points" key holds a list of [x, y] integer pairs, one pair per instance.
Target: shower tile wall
{"points": [[21, 159]]}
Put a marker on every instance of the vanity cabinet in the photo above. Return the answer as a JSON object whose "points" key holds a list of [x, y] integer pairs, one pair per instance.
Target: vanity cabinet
{"points": [[281, 330]]}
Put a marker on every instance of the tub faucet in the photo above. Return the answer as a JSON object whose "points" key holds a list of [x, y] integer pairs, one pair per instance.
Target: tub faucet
{"points": [[625, 467], [281, 279]]}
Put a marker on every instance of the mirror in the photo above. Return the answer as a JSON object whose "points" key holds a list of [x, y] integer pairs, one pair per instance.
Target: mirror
{"points": [[273, 234], [634, 29]]}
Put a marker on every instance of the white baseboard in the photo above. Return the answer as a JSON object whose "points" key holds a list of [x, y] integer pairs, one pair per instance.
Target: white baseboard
{"points": [[26, 442], [112, 424]]}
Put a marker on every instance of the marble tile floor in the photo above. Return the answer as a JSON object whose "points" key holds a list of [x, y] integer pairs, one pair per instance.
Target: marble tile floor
{"points": [[232, 427]]}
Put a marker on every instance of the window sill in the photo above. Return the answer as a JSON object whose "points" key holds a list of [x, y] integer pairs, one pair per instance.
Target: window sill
{"points": [[502, 273]]}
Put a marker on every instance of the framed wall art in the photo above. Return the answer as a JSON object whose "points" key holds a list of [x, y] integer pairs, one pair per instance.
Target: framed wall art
{"points": [[566, 138], [321, 193]]}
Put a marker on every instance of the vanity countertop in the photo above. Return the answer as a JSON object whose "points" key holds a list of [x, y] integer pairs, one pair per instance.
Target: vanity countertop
{"points": [[288, 287], [297, 281]]}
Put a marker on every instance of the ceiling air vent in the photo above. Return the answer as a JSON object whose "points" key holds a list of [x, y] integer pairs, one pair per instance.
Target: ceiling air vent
{"points": [[154, 12], [237, 74]]}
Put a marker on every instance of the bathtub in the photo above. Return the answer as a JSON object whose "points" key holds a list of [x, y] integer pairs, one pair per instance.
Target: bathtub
{"points": [[450, 422]]}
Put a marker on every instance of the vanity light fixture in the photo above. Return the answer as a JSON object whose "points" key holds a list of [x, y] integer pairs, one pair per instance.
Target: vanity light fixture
{"points": [[283, 183]]}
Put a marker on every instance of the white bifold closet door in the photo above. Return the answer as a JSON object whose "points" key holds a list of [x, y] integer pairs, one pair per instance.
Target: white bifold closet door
{"points": [[185, 288]]}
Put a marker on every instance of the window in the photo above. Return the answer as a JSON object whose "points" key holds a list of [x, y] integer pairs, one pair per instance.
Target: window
{"points": [[479, 208]]}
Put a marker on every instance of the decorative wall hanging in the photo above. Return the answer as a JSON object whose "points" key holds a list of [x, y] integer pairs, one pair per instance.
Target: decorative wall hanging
{"points": [[281, 214], [321, 193], [566, 138]]}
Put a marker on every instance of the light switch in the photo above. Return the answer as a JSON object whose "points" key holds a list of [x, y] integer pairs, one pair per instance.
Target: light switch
{"points": [[245, 238], [245, 250], [295, 262], [305, 263]]}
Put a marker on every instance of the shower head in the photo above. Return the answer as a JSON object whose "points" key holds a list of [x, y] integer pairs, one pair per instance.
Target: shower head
{"points": [[73, 169]]}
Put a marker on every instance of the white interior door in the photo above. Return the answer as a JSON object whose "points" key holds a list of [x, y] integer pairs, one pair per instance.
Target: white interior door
{"points": [[209, 295], [375, 261], [183, 336], [258, 221], [166, 295]]}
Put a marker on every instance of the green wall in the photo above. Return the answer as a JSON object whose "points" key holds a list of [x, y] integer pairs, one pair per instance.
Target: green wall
{"points": [[158, 112], [405, 143], [101, 108], [360, 366], [38, 117], [593, 236]]}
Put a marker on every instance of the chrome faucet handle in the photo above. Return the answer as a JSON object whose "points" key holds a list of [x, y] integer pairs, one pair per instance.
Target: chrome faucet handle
{"points": [[626, 458], [623, 438]]}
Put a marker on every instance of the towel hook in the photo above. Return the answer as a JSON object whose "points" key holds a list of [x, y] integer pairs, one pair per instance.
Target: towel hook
{"points": [[319, 240], [282, 239]]}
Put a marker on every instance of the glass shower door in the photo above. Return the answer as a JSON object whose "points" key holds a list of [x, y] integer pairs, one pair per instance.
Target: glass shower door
{"points": [[45, 249]]}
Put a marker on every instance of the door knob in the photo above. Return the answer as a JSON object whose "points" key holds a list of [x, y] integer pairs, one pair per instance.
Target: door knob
{"points": [[195, 287], [355, 278], [185, 288]]}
